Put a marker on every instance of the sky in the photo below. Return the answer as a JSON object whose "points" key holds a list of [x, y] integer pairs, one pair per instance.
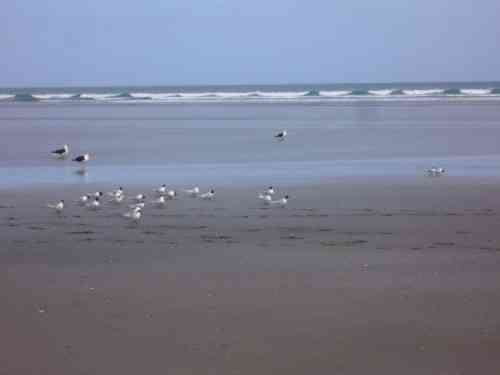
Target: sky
{"points": [[175, 42]]}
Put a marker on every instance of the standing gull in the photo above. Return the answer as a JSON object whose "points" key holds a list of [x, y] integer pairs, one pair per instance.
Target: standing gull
{"points": [[265, 198], [133, 215], [280, 202], [162, 190], [59, 206], [61, 153], [435, 172], [82, 158], [139, 197], [209, 195], [159, 202], [281, 135], [84, 200], [193, 192], [117, 193], [94, 205]]}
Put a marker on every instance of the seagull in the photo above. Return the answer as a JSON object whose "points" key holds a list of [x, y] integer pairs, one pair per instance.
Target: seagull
{"points": [[133, 215], [94, 205], [269, 191], [61, 153], [139, 197], [84, 199], [265, 198], [281, 135], [82, 158], [98, 194], [118, 192], [171, 194], [208, 195], [117, 199], [137, 205], [193, 192], [162, 189], [280, 202], [159, 202], [59, 206], [435, 172]]}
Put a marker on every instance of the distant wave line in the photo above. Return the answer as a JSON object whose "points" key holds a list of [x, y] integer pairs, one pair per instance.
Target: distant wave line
{"points": [[253, 95]]}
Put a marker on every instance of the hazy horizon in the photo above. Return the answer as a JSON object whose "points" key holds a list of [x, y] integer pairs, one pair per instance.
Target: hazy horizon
{"points": [[257, 85]]}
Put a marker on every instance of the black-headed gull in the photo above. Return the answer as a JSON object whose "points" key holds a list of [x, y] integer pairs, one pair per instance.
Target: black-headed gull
{"points": [[281, 135], [61, 153], [208, 195], [98, 194], [193, 192], [59, 206]]}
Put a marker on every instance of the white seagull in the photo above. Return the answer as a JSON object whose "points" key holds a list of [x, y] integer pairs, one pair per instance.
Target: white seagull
{"points": [[280, 202], [269, 191], [170, 194], [193, 192], [139, 197], [162, 189], [84, 199], [281, 135], [137, 205], [94, 205], [116, 193], [118, 199], [159, 202], [134, 215], [61, 153], [266, 198], [98, 194], [208, 195], [435, 172], [59, 206]]}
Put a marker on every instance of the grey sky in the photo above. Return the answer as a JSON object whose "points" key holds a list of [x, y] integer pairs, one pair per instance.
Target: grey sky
{"points": [[111, 42]]}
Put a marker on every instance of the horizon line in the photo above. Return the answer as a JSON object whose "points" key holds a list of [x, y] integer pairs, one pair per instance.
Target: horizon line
{"points": [[244, 84]]}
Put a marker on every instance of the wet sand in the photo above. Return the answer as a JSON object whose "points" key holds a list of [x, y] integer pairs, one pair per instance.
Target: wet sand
{"points": [[355, 276]]}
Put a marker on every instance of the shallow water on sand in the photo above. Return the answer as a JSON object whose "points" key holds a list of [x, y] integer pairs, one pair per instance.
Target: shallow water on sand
{"points": [[232, 143]]}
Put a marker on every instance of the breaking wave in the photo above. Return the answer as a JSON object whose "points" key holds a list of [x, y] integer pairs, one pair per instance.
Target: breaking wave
{"points": [[360, 92], [397, 92], [452, 92], [311, 95], [129, 96], [25, 98]]}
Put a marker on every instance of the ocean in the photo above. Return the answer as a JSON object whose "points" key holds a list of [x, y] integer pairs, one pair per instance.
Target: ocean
{"points": [[223, 135], [259, 93]]}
